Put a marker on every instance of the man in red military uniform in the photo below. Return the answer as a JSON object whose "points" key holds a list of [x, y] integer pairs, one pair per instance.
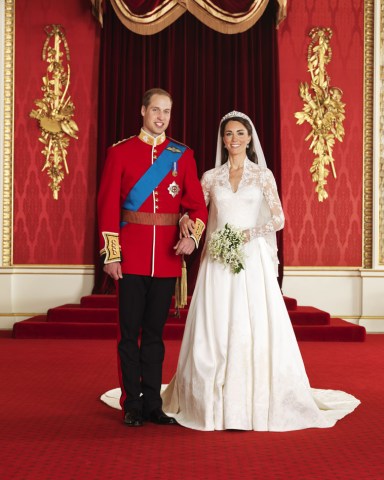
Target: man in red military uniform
{"points": [[148, 180]]}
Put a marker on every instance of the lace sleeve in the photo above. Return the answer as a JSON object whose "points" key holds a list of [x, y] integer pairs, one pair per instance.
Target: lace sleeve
{"points": [[275, 220], [206, 182]]}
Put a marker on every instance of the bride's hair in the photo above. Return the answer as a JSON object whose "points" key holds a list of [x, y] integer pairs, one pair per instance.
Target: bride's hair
{"points": [[251, 154]]}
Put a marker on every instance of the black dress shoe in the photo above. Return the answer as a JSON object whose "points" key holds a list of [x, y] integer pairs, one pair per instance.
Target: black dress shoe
{"points": [[133, 418], [159, 417]]}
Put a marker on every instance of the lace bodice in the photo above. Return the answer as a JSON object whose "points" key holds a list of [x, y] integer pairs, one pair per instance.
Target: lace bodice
{"points": [[243, 208]]}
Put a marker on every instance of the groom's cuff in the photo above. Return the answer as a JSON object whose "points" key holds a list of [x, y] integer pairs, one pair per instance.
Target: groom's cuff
{"points": [[198, 231]]}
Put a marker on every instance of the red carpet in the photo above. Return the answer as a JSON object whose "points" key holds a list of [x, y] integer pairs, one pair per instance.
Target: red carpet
{"points": [[96, 317], [54, 427]]}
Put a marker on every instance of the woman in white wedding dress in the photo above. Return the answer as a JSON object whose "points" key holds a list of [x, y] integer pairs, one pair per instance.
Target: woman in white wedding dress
{"points": [[239, 365]]}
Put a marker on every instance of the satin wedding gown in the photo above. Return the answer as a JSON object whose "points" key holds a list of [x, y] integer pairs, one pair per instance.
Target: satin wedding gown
{"points": [[240, 366]]}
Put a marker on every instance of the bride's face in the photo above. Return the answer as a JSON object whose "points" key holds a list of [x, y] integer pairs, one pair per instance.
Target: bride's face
{"points": [[236, 138]]}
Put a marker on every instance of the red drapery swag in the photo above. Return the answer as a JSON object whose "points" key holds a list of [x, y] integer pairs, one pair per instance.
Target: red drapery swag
{"points": [[207, 73], [147, 17]]}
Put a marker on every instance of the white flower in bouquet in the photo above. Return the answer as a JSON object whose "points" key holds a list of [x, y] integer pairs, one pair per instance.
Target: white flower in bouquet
{"points": [[226, 246]]}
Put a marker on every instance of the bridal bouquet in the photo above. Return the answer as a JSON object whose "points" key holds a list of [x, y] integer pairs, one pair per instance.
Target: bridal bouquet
{"points": [[226, 246]]}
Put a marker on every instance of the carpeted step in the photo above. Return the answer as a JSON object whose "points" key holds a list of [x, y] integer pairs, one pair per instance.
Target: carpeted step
{"points": [[38, 327], [99, 301], [110, 301], [299, 316], [290, 303], [106, 301], [96, 317], [176, 317], [74, 313], [309, 316], [338, 330]]}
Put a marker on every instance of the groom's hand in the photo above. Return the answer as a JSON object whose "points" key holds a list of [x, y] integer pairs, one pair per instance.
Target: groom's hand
{"points": [[113, 270], [184, 246]]}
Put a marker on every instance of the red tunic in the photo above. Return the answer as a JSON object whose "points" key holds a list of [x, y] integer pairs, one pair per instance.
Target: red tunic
{"points": [[147, 249]]}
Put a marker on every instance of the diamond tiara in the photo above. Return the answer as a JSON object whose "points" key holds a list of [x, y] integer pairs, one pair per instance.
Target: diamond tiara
{"points": [[234, 113]]}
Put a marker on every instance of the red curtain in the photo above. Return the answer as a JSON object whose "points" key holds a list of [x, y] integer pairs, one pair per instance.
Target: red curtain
{"points": [[207, 73]]}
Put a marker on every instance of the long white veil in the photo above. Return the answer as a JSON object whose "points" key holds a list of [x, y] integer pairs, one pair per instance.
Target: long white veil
{"points": [[265, 213]]}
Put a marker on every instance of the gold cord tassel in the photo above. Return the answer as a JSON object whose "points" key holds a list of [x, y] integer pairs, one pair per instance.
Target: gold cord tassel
{"points": [[181, 290]]}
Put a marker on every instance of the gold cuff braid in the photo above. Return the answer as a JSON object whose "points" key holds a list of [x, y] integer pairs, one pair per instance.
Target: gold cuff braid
{"points": [[111, 247], [198, 231]]}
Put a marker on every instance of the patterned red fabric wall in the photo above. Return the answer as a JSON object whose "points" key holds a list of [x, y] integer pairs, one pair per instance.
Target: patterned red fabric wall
{"points": [[328, 233], [48, 231], [62, 232]]}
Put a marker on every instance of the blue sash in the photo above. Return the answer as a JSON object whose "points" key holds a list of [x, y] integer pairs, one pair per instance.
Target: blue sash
{"points": [[153, 176]]}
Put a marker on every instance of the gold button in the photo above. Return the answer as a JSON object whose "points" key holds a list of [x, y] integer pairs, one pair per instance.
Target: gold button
{"points": [[156, 207]]}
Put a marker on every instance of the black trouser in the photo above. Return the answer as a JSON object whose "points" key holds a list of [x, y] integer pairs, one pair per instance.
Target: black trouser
{"points": [[143, 307]]}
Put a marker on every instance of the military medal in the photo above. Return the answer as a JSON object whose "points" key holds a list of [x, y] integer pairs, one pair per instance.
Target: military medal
{"points": [[173, 189], [174, 169]]}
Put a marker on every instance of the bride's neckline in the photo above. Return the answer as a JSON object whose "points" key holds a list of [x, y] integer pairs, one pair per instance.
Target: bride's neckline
{"points": [[239, 172], [234, 168]]}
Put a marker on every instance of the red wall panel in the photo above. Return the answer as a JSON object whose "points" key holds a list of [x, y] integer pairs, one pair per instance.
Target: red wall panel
{"points": [[62, 232], [48, 231], [327, 233]]}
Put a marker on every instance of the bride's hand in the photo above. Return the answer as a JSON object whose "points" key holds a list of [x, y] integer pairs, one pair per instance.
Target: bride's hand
{"points": [[187, 226], [247, 234]]}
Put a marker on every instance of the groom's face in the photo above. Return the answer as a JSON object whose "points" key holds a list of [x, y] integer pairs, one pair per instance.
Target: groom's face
{"points": [[157, 114]]}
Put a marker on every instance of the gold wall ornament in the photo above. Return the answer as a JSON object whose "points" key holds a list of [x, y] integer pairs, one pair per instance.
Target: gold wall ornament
{"points": [[323, 109], [55, 110]]}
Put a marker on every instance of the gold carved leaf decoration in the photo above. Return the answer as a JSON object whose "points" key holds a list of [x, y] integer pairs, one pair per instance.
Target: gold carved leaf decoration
{"points": [[323, 110], [55, 110]]}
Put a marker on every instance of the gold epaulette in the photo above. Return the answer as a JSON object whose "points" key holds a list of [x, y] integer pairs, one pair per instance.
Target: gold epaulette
{"points": [[111, 248], [124, 140], [176, 141], [198, 231]]}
